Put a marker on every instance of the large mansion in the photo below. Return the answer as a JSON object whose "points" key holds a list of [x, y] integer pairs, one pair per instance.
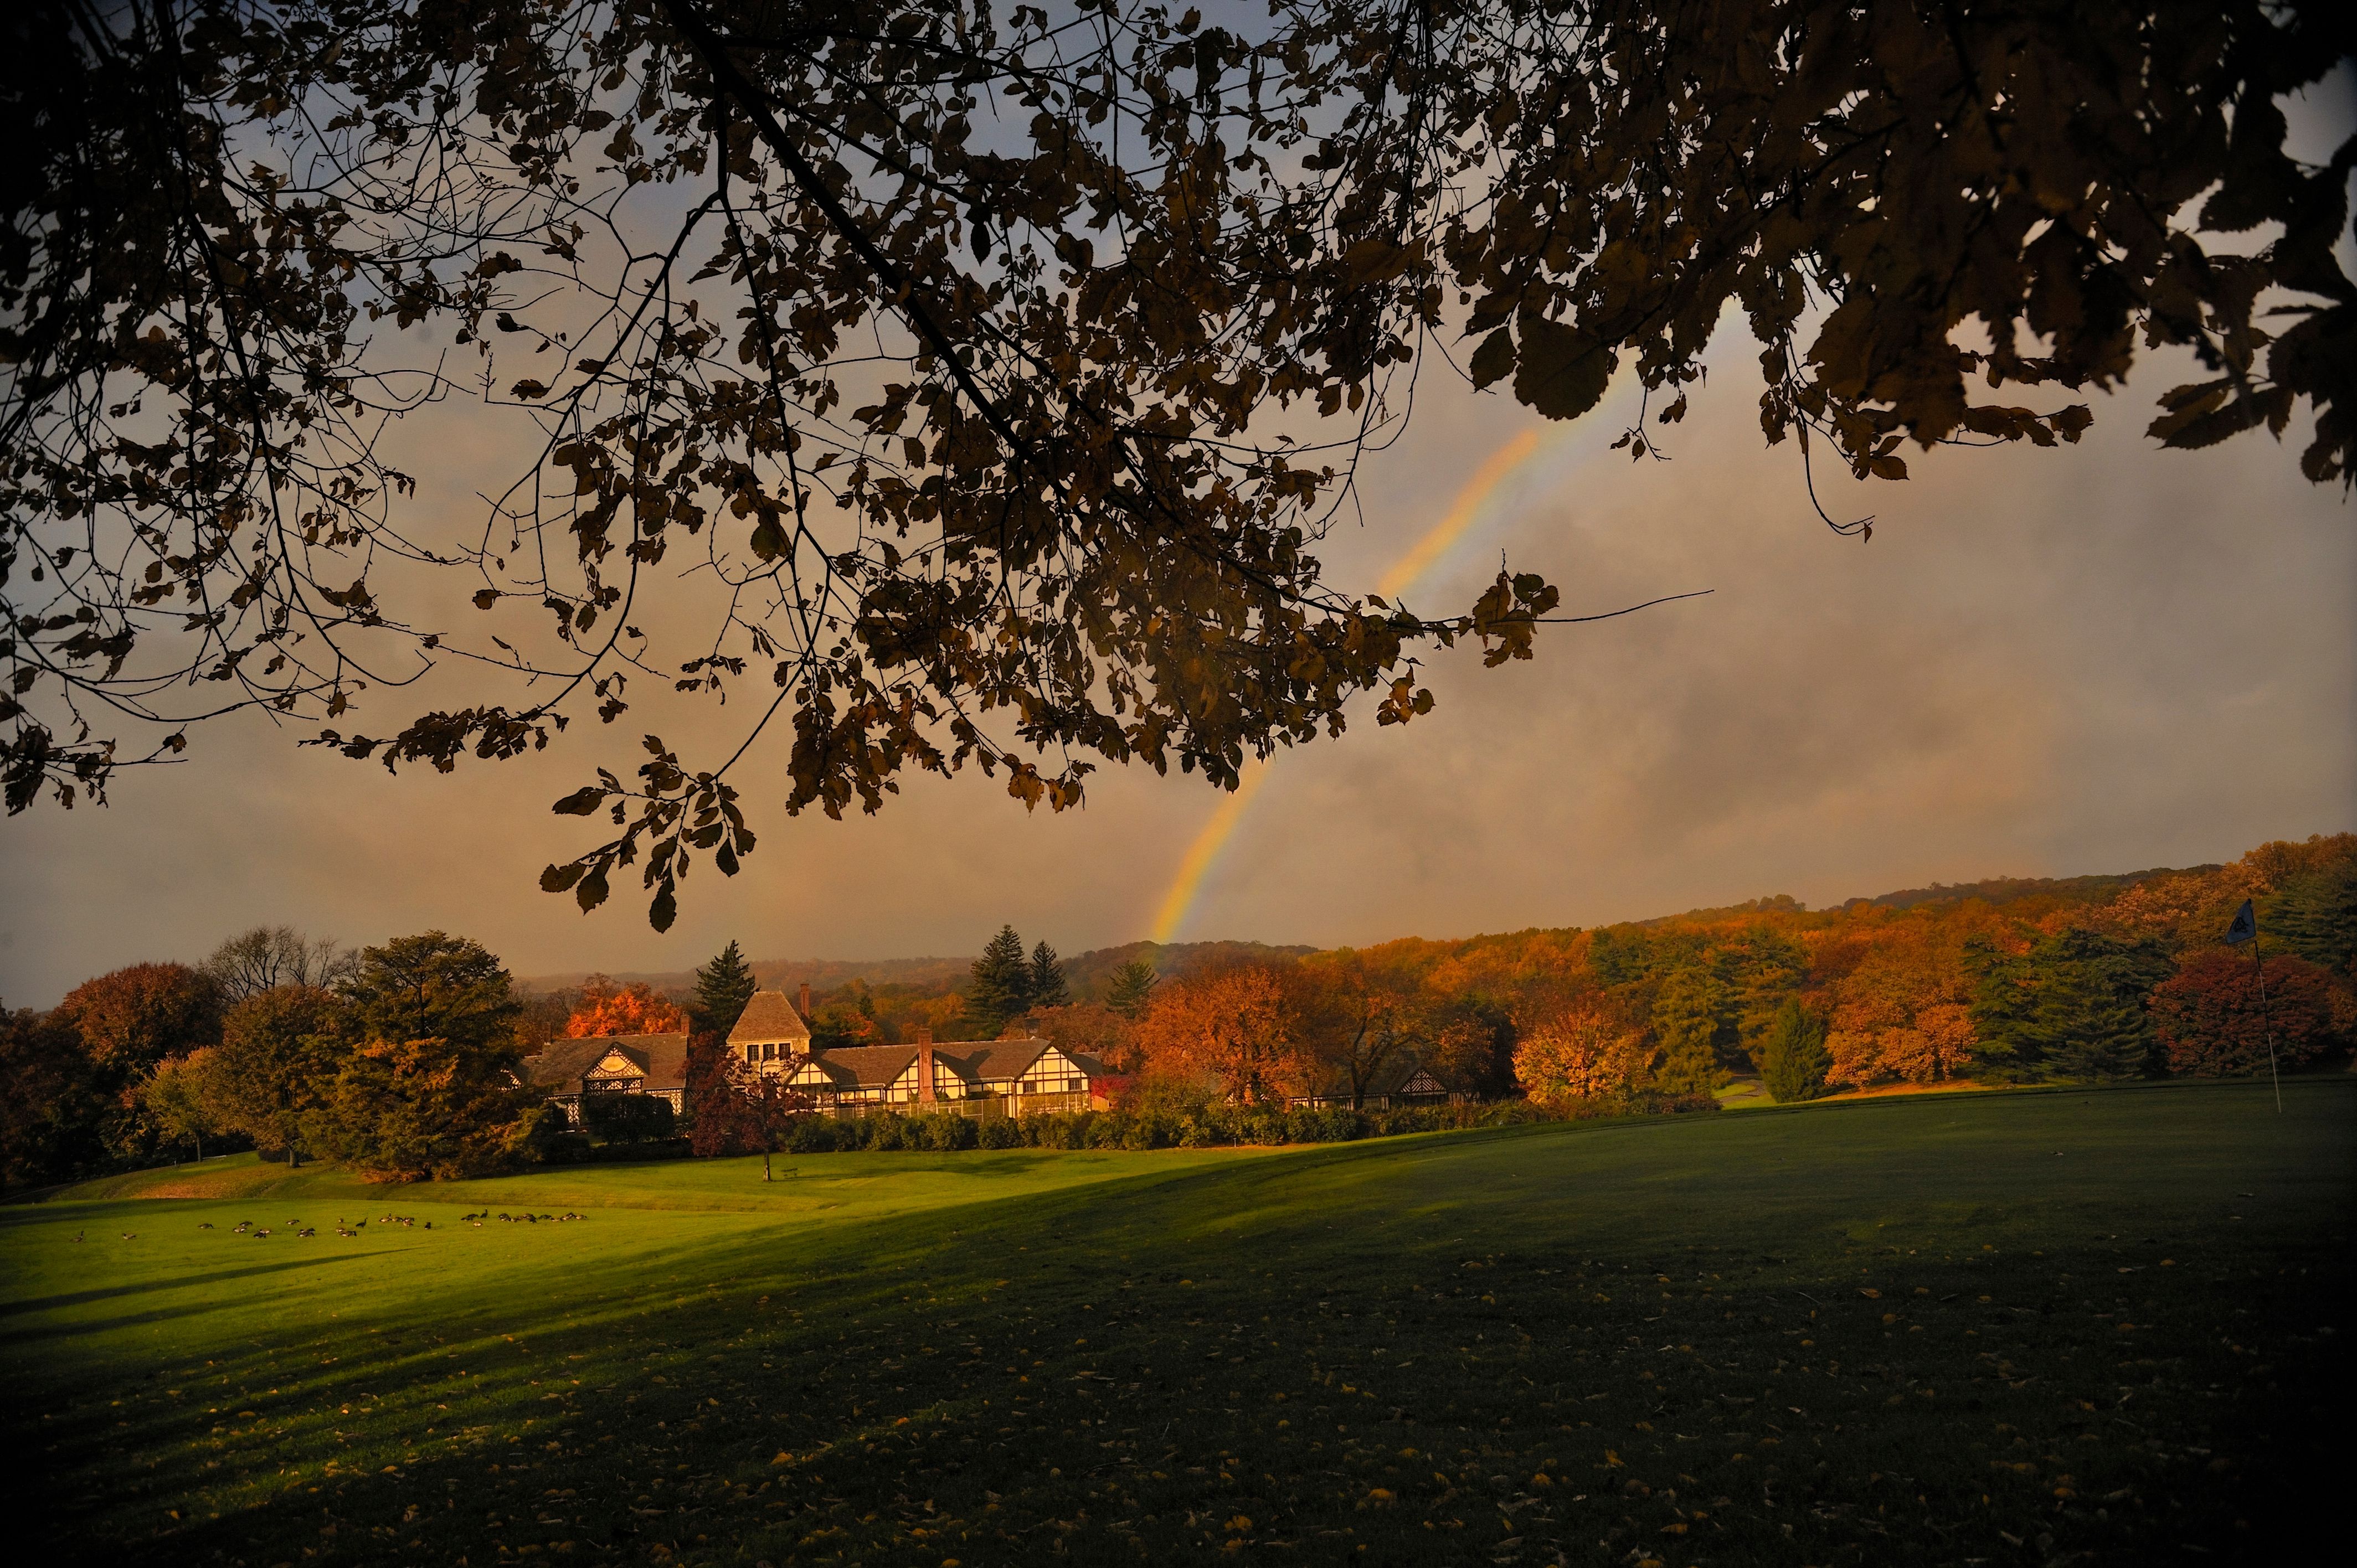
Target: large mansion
{"points": [[1016, 1074]]}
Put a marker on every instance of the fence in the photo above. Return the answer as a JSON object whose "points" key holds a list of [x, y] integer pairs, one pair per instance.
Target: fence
{"points": [[978, 1107]]}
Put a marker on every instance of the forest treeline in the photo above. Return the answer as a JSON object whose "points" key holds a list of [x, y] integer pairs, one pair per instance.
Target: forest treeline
{"points": [[400, 1060]]}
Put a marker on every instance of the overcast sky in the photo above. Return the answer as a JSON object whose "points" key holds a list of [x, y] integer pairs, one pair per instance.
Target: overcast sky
{"points": [[2096, 659]]}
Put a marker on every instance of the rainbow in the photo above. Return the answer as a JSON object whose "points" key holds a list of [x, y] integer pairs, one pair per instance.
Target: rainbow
{"points": [[1203, 854]]}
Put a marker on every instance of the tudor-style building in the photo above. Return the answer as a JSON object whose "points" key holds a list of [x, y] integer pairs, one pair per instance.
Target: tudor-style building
{"points": [[1017, 1076], [771, 1033], [1400, 1082], [568, 1070]]}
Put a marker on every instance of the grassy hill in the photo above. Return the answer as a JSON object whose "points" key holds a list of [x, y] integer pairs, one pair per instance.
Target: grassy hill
{"points": [[2006, 1327]]}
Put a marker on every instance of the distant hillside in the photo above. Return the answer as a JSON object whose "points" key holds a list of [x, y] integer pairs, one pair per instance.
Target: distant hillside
{"points": [[1089, 973], [2011, 890]]}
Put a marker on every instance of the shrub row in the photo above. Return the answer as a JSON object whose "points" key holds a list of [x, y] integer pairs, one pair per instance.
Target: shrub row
{"points": [[1198, 1126]]}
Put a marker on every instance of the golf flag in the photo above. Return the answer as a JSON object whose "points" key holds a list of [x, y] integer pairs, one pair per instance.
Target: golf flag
{"points": [[2245, 925]]}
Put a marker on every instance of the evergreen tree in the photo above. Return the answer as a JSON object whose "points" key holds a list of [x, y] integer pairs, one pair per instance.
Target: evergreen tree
{"points": [[1049, 988], [722, 989], [2073, 1006], [1792, 1058], [2316, 916], [1000, 990], [1132, 988], [1686, 1018]]}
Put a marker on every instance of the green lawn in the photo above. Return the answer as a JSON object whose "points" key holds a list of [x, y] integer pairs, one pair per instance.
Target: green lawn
{"points": [[1986, 1328]]}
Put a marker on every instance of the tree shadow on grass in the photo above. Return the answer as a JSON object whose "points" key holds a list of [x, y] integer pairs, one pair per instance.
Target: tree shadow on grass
{"points": [[181, 1282]]}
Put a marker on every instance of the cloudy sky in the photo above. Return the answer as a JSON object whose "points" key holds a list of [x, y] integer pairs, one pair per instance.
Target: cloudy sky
{"points": [[2096, 659]]}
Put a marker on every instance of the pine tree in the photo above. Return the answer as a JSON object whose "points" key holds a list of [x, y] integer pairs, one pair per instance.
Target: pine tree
{"points": [[1048, 985], [1132, 988], [1000, 990], [1687, 1023], [1792, 1058], [722, 989]]}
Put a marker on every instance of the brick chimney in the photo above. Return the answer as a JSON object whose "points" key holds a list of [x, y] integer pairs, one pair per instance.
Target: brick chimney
{"points": [[924, 1033], [925, 1068], [806, 1010]]}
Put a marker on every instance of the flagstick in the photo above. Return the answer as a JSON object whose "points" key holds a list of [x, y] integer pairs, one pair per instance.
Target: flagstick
{"points": [[2264, 1023]]}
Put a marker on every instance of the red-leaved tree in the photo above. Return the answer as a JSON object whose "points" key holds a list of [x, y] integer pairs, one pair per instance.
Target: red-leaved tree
{"points": [[2212, 1025], [732, 1111]]}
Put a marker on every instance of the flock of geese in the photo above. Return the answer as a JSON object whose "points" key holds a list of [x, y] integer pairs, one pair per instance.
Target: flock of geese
{"points": [[352, 1227]]}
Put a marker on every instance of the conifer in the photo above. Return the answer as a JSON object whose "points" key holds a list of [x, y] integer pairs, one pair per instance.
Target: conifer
{"points": [[722, 989], [1049, 988], [1793, 1059], [1000, 990], [1132, 988]]}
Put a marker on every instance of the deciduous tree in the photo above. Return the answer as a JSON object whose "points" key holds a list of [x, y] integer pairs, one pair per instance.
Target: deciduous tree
{"points": [[1006, 369], [1584, 1052], [267, 957], [2215, 1021], [276, 1066], [130, 1019], [1236, 1024], [637, 1008]]}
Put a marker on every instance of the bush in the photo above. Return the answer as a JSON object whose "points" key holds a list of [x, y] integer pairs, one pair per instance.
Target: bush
{"points": [[1001, 1132], [813, 1135]]}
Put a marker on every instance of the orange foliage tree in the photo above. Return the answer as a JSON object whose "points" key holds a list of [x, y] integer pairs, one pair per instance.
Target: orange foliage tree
{"points": [[637, 1008], [1238, 1023], [1584, 1052], [1902, 1011]]}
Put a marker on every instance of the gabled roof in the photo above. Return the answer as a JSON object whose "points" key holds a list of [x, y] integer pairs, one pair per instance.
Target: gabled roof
{"points": [[1391, 1077], [864, 1067], [561, 1063], [768, 1019]]}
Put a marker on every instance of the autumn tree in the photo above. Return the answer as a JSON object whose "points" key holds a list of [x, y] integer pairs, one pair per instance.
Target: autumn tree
{"points": [[1235, 1024], [1090, 1026], [637, 1008], [723, 987], [1005, 374], [128, 1022], [180, 1099], [1358, 1016], [733, 1111], [1584, 1052], [130, 1019], [2215, 1021], [1902, 1009]]}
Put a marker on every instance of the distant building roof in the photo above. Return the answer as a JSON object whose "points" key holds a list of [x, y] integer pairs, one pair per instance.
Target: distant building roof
{"points": [[769, 1019], [863, 1066], [562, 1065]]}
